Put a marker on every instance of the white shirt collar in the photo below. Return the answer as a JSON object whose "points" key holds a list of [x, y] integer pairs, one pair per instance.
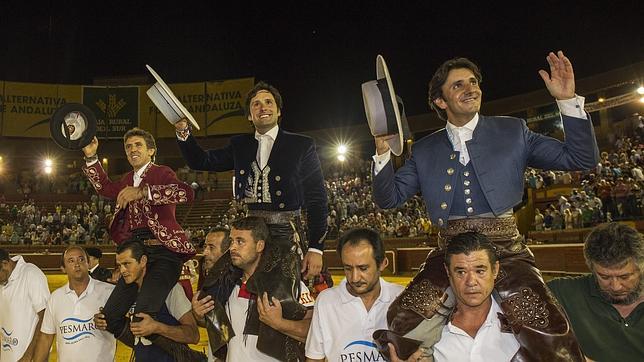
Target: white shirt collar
{"points": [[491, 319], [94, 268], [272, 133], [140, 172], [470, 126], [347, 297], [17, 270], [90, 287]]}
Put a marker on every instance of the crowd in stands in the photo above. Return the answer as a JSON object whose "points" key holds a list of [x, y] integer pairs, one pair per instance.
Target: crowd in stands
{"points": [[351, 205], [612, 191], [29, 182], [33, 224]]}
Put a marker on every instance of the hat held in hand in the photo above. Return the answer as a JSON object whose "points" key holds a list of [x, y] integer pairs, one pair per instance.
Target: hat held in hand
{"points": [[167, 103], [385, 111], [73, 126]]}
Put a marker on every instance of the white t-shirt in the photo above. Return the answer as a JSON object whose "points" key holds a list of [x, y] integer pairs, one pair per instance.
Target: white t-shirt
{"points": [[24, 295], [489, 344], [71, 318], [342, 329], [244, 348]]}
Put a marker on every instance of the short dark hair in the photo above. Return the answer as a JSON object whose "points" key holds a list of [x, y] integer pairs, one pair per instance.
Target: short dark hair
{"points": [[73, 247], [95, 252], [440, 77], [135, 247], [613, 244], [225, 243], [263, 86], [147, 137], [466, 243], [257, 226], [357, 235], [4, 255]]}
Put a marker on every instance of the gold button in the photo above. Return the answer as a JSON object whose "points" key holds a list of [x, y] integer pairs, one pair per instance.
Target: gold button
{"points": [[466, 182], [259, 187], [241, 172], [440, 221], [452, 156], [259, 200], [467, 191], [466, 173], [277, 178], [448, 187], [470, 210], [468, 201], [443, 205], [281, 205], [278, 193], [450, 171]]}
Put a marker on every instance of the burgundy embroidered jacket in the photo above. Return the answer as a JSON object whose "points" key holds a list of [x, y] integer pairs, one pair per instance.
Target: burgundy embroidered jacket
{"points": [[157, 213]]}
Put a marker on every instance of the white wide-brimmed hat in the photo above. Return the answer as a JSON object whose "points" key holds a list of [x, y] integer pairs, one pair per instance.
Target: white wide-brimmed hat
{"points": [[167, 102], [385, 111]]}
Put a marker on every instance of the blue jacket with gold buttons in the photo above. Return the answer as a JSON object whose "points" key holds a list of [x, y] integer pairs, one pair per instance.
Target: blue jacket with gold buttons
{"points": [[291, 180], [500, 150]]}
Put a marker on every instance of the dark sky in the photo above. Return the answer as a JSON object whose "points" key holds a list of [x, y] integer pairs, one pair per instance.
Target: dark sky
{"points": [[316, 52]]}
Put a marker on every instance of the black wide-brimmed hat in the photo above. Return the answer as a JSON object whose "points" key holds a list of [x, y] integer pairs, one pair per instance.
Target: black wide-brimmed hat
{"points": [[384, 109], [73, 126], [167, 103]]}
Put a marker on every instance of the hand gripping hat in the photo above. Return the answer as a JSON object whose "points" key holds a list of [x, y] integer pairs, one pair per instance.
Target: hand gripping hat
{"points": [[385, 111], [167, 102], [73, 126]]}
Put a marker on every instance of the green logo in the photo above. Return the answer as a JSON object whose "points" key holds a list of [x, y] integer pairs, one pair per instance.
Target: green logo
{"points": [[116, 109]]}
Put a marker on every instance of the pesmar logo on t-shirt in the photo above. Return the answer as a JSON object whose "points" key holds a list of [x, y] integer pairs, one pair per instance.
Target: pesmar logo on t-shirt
{"points": [[360, 351], [74, 330], [8, 342]]}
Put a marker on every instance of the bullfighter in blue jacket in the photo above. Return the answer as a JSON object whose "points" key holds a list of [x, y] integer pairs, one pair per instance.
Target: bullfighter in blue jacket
{"points": [[471, 175]]}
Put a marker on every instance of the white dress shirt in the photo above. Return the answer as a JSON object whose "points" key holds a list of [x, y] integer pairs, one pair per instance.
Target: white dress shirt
{"points": [[138, 175], [459, 135], [265, 145], [489, 344]]}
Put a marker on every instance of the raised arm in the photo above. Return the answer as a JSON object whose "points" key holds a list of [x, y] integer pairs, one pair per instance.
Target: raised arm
{"points": [[97, 176]]}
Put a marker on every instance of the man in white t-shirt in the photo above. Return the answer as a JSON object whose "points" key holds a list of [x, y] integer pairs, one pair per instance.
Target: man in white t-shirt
{"points": [[346, 316], [69, 315], [23, 297], [248, 242], [477, 330]]}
